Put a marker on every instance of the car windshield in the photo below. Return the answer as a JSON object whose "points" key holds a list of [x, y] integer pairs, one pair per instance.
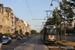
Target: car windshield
{"points": [[5, 38], [51, 31]]}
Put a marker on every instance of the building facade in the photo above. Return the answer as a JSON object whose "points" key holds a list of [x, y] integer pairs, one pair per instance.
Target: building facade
{"points": [[19, 25], [9, 23], [6, 19], [68, 26], [27, 27]]}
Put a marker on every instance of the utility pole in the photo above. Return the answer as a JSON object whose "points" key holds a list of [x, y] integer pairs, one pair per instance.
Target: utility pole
{"points": [[48, 15]]}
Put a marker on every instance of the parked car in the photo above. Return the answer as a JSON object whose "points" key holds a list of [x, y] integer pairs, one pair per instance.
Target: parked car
{"points": [[19, 38], [29, 36], [6, 40]]}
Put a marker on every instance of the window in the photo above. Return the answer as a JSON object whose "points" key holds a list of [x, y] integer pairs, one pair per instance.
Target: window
{"points": [[0, 5], [51, 31], [0, 10], [0, 26]]}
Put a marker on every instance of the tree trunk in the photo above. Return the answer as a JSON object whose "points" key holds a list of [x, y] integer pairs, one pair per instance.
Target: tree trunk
{"points": [[58, 34], [65, 33]]}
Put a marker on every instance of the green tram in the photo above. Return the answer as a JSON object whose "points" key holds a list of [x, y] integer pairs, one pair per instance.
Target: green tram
{"points": [[48, 34]]}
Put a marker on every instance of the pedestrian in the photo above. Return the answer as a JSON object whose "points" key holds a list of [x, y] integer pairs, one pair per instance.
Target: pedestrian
{"points": [[0, 41]]}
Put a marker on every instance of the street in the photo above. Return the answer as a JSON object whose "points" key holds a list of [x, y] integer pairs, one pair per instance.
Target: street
{"points": [[25, 26], [33, 43], [25, 44], [14, 44]]}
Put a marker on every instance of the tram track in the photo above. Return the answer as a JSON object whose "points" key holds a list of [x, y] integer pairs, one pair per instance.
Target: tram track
{"points": [[28, 43], [20, 47], [35, 44]]}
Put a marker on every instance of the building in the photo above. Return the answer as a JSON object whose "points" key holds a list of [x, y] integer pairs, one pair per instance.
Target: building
{"points": [[27, 27], [9, 23], [6, 19], [68, 26], [19, 25]]}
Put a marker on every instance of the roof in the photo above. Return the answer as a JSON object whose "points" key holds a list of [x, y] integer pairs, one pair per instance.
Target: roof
{"points": [[8, 9]]}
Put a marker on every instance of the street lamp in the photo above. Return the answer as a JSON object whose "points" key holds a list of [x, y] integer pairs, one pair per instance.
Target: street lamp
{"points": [[52, 1]]}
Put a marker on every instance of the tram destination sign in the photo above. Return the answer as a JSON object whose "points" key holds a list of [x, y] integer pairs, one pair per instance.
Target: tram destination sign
{"points": [[50, 26]]}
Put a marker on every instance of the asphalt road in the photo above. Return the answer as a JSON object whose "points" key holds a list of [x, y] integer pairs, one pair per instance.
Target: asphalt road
{"points": [[33, 43], [14, 44]]}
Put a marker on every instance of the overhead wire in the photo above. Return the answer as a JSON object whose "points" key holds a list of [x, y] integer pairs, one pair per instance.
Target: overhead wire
{"points": [[30, 10]]}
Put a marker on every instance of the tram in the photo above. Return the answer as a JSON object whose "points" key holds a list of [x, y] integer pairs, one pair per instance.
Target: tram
{"points": [[48, 34]]}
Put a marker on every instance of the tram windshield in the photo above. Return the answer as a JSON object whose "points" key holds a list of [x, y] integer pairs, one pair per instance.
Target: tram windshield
{"points": [[51, 31]]}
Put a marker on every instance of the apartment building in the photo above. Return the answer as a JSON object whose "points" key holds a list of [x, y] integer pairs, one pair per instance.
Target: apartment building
{"points": [[19, 25], [6, 19], [27, 27]]}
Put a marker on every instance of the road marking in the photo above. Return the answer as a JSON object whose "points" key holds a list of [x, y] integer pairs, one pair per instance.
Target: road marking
{"points": [[35, 44], [26, 45], [22, 44]]}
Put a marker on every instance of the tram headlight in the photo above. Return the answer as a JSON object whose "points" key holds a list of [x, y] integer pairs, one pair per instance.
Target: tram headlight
{"points": [[53, 36], [49, 36]]}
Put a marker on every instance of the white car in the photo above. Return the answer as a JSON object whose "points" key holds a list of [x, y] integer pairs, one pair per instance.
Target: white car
{"points": [[6, 40]]}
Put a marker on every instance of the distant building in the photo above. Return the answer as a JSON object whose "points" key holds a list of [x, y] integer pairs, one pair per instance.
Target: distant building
{"points": [[19, 25], [70, 27], [27, 27], [73, 25]]}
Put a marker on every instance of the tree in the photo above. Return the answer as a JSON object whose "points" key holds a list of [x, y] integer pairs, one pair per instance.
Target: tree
{"points": [[72, 4], [7, 34], [21, 32], [33, 32], [0, 33], [67, 12], [50, 21], [27, 33], [56, 19], [16, 32]]}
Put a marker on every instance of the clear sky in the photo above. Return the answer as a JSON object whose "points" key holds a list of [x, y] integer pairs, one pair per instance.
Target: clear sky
{"points": [[37, 8]]}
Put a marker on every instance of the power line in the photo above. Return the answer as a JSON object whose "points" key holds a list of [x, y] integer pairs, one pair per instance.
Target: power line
{"points": [[30, 11], [29, 8]]}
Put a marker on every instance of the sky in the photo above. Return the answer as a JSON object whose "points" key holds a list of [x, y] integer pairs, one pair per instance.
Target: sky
{"points": [[28, 10]]}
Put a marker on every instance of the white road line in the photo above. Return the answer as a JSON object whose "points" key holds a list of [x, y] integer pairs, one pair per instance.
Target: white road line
{"points": [[35, 44], [22, 44]]}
